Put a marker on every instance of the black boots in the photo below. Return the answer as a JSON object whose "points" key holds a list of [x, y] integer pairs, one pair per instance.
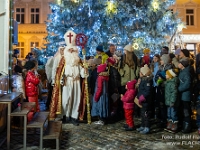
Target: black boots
{"points": [[65, 120], [186, 127], [74, 122], [70, 120]]}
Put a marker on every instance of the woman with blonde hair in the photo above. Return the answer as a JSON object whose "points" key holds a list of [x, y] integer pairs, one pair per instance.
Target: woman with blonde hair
{"points": [[128, 67], [129, 70]]}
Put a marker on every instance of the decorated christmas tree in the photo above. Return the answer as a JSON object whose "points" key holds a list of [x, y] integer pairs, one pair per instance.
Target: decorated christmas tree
{"points": [[142, 23]]}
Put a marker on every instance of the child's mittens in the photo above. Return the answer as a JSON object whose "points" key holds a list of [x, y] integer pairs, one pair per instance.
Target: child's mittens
{"points": [[160, 81], [141, 99]]}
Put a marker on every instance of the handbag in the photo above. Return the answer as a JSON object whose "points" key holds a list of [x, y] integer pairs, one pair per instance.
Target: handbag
{"points": [[136, 100]]}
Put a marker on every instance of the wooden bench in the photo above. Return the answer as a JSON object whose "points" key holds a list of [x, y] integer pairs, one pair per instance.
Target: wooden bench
{"points": [[38, 121], [8, 99], [54, 132]]}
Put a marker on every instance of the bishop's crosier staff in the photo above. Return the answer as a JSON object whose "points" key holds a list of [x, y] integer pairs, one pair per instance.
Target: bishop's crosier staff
{"points": [[81, 40]]}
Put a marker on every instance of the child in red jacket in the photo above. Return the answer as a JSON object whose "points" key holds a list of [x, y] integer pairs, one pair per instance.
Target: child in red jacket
{"points": [[128, 104], [31, 89]]}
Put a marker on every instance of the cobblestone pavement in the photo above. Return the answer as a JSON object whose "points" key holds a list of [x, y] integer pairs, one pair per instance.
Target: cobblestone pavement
{"points": [[108, 137]]}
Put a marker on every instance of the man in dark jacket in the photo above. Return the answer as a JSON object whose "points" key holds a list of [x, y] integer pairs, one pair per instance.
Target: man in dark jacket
{"points": [[184, 89], [113, 85], [111, 51]]}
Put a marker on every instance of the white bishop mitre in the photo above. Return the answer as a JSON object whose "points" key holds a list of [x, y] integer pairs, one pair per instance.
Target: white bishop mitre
{"points": [[70, 38]]}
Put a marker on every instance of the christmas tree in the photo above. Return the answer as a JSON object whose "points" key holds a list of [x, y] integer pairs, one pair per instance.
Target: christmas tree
{"points": [[142, 23]]}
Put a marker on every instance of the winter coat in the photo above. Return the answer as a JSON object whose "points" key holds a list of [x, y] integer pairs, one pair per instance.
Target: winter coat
{"points": [[109, 53], [99, 91], [128, 99], [114, 79], [103, 56], [31, 82], [145, 88], [93, 78], [196, 90], [128, 74], [145, 60], [155, 70], [171, 91], [185, 84], [163, 68]]}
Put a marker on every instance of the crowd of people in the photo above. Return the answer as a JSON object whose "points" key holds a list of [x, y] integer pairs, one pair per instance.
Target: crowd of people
{"points": [[120, 83]]}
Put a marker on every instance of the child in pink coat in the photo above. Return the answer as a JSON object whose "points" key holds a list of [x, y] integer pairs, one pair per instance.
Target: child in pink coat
{"points": [[128, 104]]}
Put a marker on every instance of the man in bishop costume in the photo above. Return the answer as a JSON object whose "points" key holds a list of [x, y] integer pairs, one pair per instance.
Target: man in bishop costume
{"points": [[71, 93]]}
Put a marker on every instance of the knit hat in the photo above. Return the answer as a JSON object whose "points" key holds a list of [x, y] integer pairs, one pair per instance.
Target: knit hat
{"points": [[171, 73], [101, 68], [29, 65], [18, 69], [145, 70], [185, 61], [129, 48], [185, 52], [166, 49], [146, 50], [162, 74], [99, 48], [165, 58], [16, 51], [131, 84], [111, 60]]}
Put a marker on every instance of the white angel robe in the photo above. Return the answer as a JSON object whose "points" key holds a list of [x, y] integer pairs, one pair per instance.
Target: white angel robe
{"points": [[71, 93]]}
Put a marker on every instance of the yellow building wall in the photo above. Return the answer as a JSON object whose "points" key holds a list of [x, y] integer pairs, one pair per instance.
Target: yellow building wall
{"points": [[28, 32], [181, 6], [191, 34]]}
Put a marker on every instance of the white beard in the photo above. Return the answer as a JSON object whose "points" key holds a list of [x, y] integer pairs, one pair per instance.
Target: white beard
{"points": [[72, 58]]}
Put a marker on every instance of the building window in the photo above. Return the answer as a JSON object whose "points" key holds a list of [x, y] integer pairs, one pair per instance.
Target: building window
{"points": [[20, 47], [20, 15], [35, 15], [189, 17], [34, 45]]}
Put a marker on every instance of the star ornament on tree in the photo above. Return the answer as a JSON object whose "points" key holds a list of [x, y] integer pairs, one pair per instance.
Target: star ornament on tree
{"points": [[111, 7], [155, 5], [135, 46]]}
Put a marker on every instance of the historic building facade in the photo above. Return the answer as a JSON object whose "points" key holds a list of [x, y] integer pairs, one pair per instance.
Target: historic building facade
{"points": [[31, 16], [189, 11]]}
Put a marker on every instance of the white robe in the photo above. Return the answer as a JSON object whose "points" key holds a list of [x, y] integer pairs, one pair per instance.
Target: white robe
{"points": [[48, 69], [71, 94], [56, 61]]}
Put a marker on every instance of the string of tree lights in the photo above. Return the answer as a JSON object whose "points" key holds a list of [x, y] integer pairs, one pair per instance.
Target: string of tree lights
{"points": [[142, 23]]}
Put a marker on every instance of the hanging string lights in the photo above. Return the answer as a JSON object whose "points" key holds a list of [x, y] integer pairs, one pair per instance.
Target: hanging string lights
{"points": [[155, 5], [111, 7]]}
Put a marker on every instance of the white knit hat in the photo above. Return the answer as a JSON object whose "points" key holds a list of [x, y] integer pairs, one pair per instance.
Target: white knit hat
{"points": [[172, 73], [165, 58], [145, 70], [129, 48]]}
